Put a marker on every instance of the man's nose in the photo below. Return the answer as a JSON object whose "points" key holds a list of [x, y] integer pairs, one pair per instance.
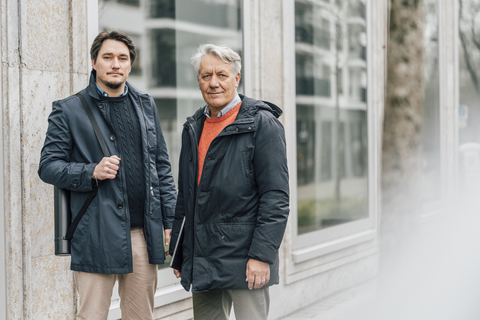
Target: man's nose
{"points": [[115, 63], [213, 82]]}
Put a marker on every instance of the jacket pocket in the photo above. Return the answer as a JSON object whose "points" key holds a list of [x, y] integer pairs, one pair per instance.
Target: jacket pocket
{"points": [[151, 139], [247, 172], [235, 238]]}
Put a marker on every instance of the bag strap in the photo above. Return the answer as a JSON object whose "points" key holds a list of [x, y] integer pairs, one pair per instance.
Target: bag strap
{"points": [[91, 117], [79, 216], [93, 194]]}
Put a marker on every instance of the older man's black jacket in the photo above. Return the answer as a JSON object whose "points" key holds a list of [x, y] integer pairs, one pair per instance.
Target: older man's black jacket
{"points": [[240, 208], [102, 243]]}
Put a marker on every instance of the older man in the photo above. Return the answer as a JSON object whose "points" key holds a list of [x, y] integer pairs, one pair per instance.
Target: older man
{"points": [[233, 194]]}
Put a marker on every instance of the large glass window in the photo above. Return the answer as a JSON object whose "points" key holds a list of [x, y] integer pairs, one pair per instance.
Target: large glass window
{"points": [[469, 85], [331, 113], [166, 34]]}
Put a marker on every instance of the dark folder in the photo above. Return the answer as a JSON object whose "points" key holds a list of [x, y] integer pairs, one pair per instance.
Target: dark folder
{"points": [[177, 256]]}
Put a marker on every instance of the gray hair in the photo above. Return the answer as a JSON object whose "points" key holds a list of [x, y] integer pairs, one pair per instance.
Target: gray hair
{"points": [[223, 52]]}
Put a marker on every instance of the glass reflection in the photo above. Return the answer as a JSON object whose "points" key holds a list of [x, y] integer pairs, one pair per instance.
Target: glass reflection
{"points": [[431, 110], [166, 34], [331, 89], [469, 108]]}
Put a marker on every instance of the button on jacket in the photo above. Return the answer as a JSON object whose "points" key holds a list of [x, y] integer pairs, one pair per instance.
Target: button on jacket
{"points": [[239, 209], [102, 243]]}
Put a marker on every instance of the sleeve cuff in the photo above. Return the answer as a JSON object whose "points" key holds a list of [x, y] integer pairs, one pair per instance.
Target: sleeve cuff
{"points": [[81, 177], [89, 168], [168, 216]]}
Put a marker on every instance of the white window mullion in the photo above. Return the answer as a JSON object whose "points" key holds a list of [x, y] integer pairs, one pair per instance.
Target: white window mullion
{"points": [[3, 274]]}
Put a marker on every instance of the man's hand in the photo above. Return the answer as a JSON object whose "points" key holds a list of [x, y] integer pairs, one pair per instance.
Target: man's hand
{"points": [[107, 168], [168, 233], [258, 274], [177, 273]]}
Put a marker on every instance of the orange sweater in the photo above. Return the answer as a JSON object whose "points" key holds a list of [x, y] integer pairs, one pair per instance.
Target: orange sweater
{"points": [[211, 128]]}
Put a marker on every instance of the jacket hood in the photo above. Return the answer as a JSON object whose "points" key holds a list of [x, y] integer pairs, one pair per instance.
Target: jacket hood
{"points": [[260, 104], [92, 87]]}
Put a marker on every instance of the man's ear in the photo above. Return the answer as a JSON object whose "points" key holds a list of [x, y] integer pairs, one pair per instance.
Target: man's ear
{"points": [[237, 79], [93, 64]]}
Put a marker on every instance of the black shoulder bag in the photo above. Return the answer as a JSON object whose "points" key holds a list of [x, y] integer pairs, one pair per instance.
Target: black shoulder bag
{"points": [[64, 230]]}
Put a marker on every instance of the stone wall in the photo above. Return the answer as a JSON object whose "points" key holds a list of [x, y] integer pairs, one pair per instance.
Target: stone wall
{"points": [[44, 58]]}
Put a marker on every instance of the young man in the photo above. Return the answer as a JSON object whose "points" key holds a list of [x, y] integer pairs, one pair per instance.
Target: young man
{"points": [[233, 194], [121, 234]]}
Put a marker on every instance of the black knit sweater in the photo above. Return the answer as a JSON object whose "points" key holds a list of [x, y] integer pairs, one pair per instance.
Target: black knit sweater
{"points": [[126, 125]]}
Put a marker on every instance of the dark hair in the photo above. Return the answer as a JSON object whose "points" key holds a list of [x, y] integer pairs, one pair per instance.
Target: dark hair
{"points": [[112, 35]]}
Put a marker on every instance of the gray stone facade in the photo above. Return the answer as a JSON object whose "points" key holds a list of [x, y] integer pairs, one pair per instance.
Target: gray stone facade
{"points": [[44, 58]]}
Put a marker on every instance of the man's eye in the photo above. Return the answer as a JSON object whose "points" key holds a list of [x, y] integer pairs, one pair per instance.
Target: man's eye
{"points": [[223, 76], [205, 77]]}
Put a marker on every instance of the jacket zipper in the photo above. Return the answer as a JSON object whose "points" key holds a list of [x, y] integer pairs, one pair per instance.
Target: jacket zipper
{"points": [[148, 164], [194, 144], [195, 163]]}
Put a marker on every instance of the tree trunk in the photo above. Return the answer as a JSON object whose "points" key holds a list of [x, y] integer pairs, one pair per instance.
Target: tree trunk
{"points": [[401, 150]]}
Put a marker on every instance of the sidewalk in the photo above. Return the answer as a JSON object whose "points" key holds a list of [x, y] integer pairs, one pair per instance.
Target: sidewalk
{"points": [[340, 306]]}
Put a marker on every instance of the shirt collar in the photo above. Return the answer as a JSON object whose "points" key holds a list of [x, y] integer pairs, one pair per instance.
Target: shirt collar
{"points": [[104, 94], [229, 107]]}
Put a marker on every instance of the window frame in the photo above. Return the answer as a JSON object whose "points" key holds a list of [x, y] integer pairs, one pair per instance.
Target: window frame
{"points": [[3, 251], [312, 253], [432, 209], [449, 102]]}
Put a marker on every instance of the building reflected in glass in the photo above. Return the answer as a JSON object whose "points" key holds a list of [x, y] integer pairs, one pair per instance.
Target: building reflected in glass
{"points": [[331, 87]]}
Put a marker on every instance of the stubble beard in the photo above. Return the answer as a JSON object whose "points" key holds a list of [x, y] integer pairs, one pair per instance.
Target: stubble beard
{"points": [[112, 85]]}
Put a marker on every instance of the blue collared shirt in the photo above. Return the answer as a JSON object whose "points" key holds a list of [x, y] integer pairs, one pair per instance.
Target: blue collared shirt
{"points": [[104, 94], [229, 107]]}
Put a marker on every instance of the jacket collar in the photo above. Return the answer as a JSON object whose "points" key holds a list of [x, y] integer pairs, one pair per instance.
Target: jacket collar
{"points": [[248, 109]]}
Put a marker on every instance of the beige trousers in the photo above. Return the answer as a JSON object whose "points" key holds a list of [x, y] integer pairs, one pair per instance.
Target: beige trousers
{"points": [[217, 304], [136, 290]]}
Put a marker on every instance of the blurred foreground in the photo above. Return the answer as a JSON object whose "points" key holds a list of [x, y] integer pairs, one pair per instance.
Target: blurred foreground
{"points": [[432, 275]]}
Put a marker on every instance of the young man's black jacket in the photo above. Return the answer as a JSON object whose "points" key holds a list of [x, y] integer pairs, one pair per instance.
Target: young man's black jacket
{"points": [[102, 243], [240, 208]]}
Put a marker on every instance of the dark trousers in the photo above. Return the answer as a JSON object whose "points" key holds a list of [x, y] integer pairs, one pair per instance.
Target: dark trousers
{"points": [[217, 304]]}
